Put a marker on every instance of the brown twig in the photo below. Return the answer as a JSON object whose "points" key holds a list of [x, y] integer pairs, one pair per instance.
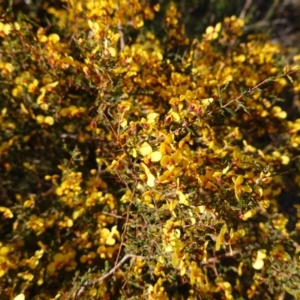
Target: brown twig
{"points": [[214, 259], [113, 215], [108, 274], [113, 270], [122, 39], [251, 90], [245, 8]]}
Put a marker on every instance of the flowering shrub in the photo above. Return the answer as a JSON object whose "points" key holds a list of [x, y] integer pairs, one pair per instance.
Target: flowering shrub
{"points": [[136, 166]]}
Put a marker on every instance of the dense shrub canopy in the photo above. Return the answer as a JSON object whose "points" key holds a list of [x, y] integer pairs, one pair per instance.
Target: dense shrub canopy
{"points": [[139, 163]]}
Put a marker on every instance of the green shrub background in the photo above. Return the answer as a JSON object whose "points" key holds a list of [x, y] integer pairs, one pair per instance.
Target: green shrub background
{"points": [[141, 161]]}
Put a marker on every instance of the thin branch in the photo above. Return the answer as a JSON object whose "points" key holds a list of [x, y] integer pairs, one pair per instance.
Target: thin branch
{"points": [[253, 89], [113, 215], [266, 23], [245, 9], [108, 274], [128, 256], [122, 38], [113, 270], [214, 259], [121, 32]]}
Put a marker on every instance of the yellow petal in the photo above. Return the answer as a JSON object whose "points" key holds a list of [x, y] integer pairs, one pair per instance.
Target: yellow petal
{"points": [[93, 26], [209, 29], [77, 213], [176, 157], [155, 156], [110, 241], [69, 223], [185, 139], [258, 264], [23, 108], [285, 160], [224, 171], [282, 115], [112, 51], [20, 297], [119, 70], [182, 198], [40, 98], [6, 212], [150, 180], [150, 177], [165, 160], [227, 286], [207, 101], [49, 120], [152, 117], [259, 190], [175, 116], [261, 254], [220, 237], [50, 85], [59, 257], [172, 205], [189, 95], [4, 250], [239, 180], [17, 26], [145, 149], [246, 189], [249, 214], [54, 38], [51, 268], [175, 260], [43, 38]]}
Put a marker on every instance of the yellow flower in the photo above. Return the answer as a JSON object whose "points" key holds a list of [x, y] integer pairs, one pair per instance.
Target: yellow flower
{"points": [[95, 28], [5, 29], [6, 212], [182, 198], [239, 188], [49, 120], [150, 176], [5, 263], [112, 236], [278, 112], [60, 260], [220, 237], [146, 151], [212, 33], [249, 214], [32, 87], [259, 262], [54, 38], [280, 222], [6, 67]]}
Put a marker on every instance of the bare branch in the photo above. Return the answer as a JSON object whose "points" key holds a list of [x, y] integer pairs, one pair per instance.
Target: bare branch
{"points": [[105, 276], [122, 39], [214, 259]]}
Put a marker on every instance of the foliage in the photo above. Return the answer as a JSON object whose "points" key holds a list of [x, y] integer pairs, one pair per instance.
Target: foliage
{"points": [[143, 166]]}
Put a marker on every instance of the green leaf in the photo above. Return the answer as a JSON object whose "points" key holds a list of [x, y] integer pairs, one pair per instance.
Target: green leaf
{"points": [[290, 78], [230, 111], [225, 87], [270, 79], [241, 104]]}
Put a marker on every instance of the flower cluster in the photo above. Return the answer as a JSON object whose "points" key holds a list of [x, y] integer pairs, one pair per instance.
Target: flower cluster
{"points": [[118, 143]]}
